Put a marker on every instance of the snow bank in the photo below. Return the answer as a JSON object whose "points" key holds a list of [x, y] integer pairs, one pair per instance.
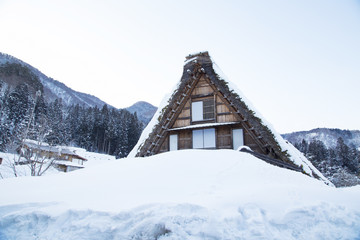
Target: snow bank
{"points": [[192, 194]]}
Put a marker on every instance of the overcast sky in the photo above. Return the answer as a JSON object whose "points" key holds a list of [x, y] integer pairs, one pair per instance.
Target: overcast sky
{"points": [[298, 62]]}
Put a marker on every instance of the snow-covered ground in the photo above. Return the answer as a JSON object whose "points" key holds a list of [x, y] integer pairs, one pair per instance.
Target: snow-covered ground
{"points": [[93, 159], [190, 194]]}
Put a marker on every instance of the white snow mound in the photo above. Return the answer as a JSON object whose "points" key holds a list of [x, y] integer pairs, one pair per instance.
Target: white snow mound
{"points": [[189, 194]]}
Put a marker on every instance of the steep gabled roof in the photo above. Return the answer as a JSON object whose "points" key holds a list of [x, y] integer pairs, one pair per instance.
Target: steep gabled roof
{"points": [[201, 65]]}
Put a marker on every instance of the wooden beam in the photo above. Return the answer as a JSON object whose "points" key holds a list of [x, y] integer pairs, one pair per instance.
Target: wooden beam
{"points": [[202, 95], [225, 113], [183, 118], [185, 95]]}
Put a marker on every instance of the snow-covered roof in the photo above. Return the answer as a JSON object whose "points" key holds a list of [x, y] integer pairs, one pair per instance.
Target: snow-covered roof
{"points": [[284, 149], [43, 146]]}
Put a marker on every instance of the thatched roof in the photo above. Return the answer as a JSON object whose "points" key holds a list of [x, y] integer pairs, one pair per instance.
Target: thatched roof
{"points": [[196, 66]]}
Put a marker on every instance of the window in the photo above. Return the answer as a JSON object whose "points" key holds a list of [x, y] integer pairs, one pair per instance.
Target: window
{"points": [[204, 138], [208, 109], [198, 138], [203, 110], [197, 111], [173, 142], [238, 138]]}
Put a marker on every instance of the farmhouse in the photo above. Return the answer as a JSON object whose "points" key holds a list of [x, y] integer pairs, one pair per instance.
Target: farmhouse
{"points": [[206, 112], [63, 158]]}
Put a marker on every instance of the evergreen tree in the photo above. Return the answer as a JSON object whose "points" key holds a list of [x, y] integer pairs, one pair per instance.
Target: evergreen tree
{"points": [[39, 127], [5, 133], [122, 133], [134, 131], [73, 120], [18, 103], [55, 116], [40, 107], [342, 152], [317, 151], [19, 107], [353, 163], [84, 130], [96, 132], [303, 147], [104, 129], [332, 157]]}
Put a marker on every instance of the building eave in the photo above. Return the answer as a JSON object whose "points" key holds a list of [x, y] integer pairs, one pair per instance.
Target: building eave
{"points": [[203, 125]]}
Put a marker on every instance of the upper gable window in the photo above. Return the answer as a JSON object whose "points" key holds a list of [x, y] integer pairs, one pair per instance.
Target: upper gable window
{"points": [[208, 109], [203, 110]]}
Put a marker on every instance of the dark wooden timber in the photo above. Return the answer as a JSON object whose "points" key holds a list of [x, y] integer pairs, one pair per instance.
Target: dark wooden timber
{"points": [[273, 161]]}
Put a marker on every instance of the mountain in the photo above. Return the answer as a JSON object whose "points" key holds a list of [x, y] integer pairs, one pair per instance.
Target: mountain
{"points": [[144, 110], [53, 89], [328, 136]]}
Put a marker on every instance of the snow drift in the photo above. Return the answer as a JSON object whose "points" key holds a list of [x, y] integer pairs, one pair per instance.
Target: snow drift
{"points": [[189, 194]]}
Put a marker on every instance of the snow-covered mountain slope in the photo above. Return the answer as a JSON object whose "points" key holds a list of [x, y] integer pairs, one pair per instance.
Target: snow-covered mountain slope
{"points": [[189, 194], [144, 110], [54, 89], [327, 135]]}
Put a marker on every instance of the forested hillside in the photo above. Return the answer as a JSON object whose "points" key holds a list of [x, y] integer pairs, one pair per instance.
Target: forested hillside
{"points": [[338, 159], [25, 114]]}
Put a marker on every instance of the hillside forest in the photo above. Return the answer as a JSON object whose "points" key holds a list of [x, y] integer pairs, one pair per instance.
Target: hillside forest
{"points": [[340, 164], [25, 114]]}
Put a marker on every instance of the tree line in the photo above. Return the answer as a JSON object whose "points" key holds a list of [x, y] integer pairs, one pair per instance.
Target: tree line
{"points": [[27, 115], [331, 161]]}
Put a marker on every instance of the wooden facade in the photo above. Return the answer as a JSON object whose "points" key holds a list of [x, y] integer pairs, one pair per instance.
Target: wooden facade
{"points": [[222, 118]]}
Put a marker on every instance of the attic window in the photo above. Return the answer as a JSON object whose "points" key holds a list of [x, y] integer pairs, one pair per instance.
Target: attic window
{"points": [[203, 110]]}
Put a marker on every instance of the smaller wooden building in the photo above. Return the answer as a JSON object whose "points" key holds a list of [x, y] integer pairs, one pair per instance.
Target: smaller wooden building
{"points": [[64, 159]]}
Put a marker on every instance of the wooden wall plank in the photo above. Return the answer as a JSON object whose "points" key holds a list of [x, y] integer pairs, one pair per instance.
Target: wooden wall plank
{"points": [[165, 145], [223, 137], [185, 139], [181, 123]]}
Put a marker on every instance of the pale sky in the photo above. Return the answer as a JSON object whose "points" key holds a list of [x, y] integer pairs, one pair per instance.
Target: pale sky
{"points": [[298, 62]]}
